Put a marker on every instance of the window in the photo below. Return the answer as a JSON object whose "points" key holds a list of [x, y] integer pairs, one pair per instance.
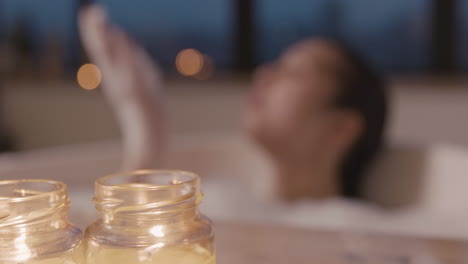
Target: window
{"points": [[393, 35], [463, 35], [167, 26]]}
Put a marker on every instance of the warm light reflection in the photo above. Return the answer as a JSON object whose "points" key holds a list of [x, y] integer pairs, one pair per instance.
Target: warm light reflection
{"points": [[157, 231], [189, 62], [89, 76], [207, 70], [23, 247]]}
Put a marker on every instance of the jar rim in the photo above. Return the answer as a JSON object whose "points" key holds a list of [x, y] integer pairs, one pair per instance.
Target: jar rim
{"points": [[58, 188], [102, 183]]}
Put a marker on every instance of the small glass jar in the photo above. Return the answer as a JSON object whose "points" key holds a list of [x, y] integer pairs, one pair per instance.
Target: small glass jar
{"points": [[150, 217], [34, 227]]}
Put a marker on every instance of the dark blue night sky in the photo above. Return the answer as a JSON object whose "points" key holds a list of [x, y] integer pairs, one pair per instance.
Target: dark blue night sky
{"points": [[394, 34]]}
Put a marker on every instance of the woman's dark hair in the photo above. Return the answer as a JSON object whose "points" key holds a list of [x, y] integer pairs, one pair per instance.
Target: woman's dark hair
{"points": [[364, 91]]}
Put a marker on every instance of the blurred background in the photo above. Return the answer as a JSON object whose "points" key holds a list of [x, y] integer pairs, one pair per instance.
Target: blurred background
{"points": [[55, 119], [50, 96]]}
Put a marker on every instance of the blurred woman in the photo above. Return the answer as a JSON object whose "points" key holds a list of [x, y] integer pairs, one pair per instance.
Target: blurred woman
{"points": [[318, 111]]}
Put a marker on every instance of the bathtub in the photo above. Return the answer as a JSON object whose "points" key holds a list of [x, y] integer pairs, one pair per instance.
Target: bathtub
{"points": [[238, 183]]}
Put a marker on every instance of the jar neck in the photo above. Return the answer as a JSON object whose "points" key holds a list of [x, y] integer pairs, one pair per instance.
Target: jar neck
{"points": [[145, 198], [48, 223], [29, 206], [145, 220]]}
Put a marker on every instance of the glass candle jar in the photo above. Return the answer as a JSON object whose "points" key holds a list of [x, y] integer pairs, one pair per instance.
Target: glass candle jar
{"points": [[149, 217], [34, 227]]}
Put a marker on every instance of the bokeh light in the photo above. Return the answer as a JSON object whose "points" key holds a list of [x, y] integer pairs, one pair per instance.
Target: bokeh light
{"points": [[89, 76], [207, 70], [189, 62]]}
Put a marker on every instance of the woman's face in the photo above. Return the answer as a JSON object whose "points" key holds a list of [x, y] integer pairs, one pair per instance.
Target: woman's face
{"points": [[291, 95]]}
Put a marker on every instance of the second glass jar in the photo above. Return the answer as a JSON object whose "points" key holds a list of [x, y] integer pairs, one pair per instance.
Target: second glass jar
{"points": [[150, 216]]}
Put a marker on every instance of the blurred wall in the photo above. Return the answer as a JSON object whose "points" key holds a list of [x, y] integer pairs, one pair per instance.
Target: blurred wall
{"points": [[423, 111]]}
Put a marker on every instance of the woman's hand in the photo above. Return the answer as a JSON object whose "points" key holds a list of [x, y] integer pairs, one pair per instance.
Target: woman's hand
{"points": [[132, 84]]}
